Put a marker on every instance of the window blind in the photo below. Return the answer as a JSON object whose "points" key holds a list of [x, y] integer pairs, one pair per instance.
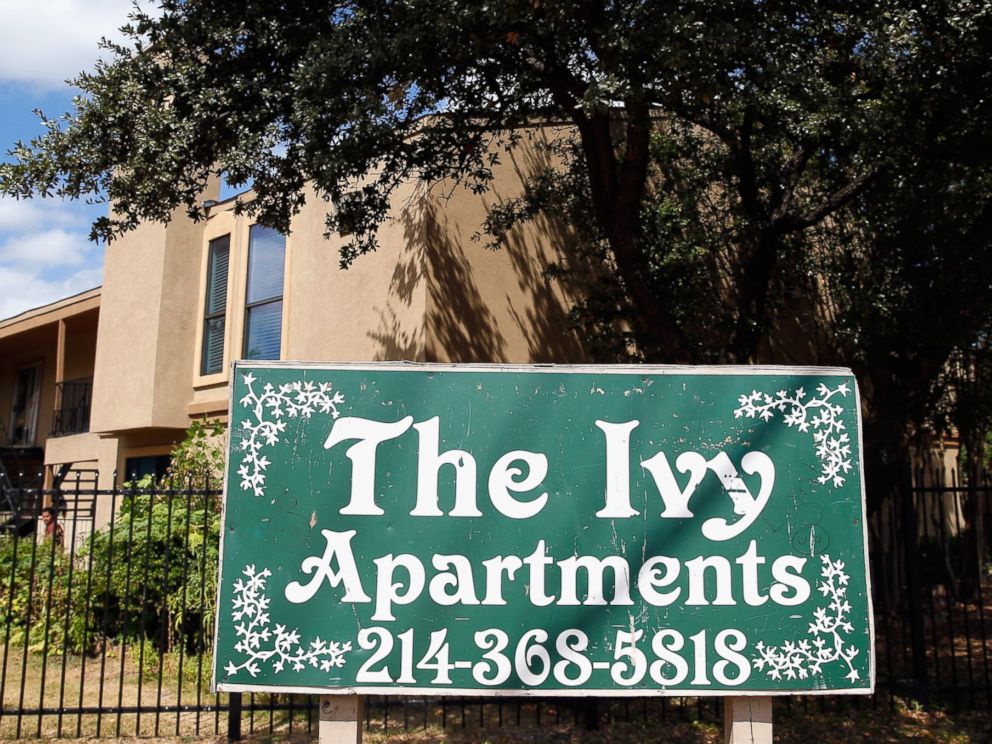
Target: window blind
{"points": [[215, 306], [266, 275]]}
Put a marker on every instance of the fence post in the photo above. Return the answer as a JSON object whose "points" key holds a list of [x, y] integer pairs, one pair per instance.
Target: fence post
{"points": [[234, 716], [910, 535]]}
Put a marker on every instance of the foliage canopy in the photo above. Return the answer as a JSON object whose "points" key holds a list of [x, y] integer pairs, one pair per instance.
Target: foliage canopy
{"points": [[766, 180]]}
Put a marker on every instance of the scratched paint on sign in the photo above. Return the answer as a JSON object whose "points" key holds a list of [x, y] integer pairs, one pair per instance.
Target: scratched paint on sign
{"points": [[544, 530]]}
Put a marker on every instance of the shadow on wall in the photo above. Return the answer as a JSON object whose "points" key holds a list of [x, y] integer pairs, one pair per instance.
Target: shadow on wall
{"points": [[464, 328], [396, 339], [397, 342], [544, 319], [461, 318]]}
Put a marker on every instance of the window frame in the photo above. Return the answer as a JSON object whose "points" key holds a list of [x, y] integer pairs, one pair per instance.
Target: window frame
{"points": [[224, 313], [219, 224], [32, 408], [224, 222], [280, 298]]}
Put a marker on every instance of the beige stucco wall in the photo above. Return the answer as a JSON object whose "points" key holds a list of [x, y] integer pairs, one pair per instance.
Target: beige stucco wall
{"points": [[373, 310], [86, 452], [124, 374], [430, 292], [487, 305], [180, 311], [80, 346], [145, 342]]}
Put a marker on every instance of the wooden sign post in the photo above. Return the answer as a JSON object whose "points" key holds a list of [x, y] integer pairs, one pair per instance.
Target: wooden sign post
{"points": [[342, 718], [545, 531], [747, 720]]}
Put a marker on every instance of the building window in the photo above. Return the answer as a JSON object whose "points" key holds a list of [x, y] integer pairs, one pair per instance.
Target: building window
{"points": [[156, 466], [24, 411], [263, 306], [215, 307]]}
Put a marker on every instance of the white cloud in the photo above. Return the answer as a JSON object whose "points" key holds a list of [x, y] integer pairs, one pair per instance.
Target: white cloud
{"points": [[22, 290], [44, 253], [51, 248], [45, 43], [19, 215]]}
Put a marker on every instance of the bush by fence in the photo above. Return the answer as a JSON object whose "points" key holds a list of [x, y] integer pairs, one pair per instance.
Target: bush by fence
{"points": [[141, 576]]}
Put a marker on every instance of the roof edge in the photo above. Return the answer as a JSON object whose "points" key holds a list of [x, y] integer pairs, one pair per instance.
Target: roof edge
{"points": [[51, 307]]}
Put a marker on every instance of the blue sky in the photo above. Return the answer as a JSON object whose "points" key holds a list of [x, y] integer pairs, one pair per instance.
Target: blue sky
{"points": [[44, 250]]}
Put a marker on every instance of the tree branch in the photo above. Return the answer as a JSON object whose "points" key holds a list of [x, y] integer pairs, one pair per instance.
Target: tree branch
{"points": [[791, 176], [792, 223]]}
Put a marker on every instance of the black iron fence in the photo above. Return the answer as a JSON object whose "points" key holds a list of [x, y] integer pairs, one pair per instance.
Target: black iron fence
{"points": [[106, 621]]}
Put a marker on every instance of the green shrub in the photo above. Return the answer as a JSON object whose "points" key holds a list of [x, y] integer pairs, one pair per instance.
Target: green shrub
{"points": [[159, 569], [42, 604], [151, 576]]}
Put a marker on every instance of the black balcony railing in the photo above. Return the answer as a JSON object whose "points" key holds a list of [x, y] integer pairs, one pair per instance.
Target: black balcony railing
{"points": [[73, 413]]}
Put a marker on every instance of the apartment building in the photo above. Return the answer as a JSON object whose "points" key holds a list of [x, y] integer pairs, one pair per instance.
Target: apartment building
{"points": [[109, 380], [46, 382]]}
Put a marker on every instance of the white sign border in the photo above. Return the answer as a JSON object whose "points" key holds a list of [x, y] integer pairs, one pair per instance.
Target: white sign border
{"points": [[618, 369]]}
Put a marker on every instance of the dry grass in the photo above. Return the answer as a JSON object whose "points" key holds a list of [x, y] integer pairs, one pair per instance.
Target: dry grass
{"points": [[794, 723], [884, 725], [123, 684]]}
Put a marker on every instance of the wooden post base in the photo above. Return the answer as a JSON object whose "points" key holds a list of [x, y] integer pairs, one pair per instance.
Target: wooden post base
{"points": [[341, 719], [747, 720]]}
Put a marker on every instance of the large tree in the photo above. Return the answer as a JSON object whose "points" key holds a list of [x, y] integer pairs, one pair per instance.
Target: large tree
{"points": [[761, 180]]}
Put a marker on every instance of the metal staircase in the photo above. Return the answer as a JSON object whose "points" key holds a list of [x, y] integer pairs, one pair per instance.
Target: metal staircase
{"points": [[18, 506], [21, 481]]}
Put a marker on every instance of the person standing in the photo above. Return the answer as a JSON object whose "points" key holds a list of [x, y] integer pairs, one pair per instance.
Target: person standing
{"points": [[53, 530]]}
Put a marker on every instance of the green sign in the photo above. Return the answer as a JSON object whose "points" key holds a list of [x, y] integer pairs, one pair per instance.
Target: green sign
{"points": [[552, 530]]}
